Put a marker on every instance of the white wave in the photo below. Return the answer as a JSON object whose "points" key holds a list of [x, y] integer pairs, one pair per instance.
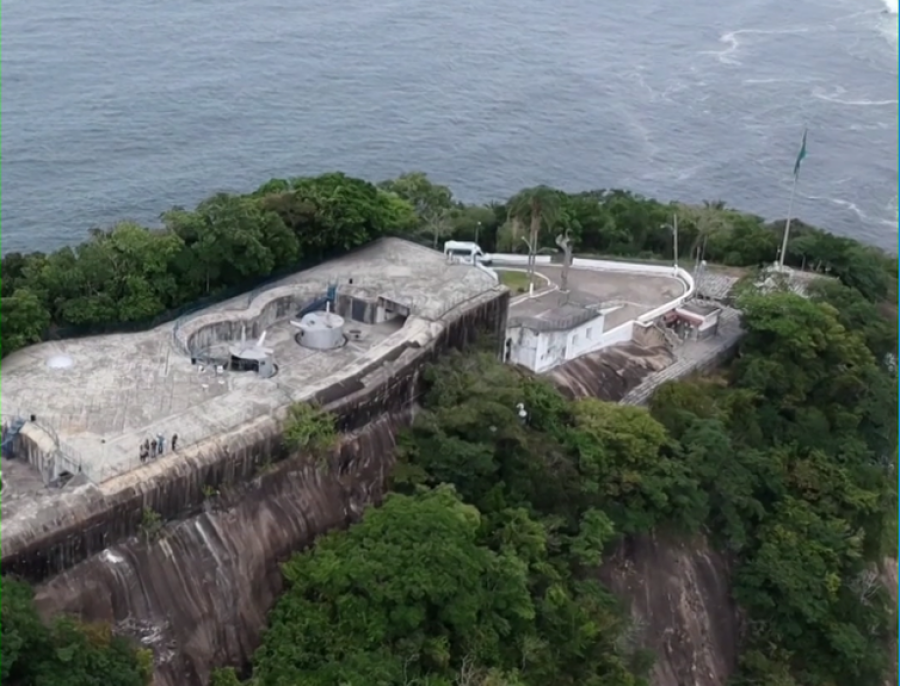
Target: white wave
{"points": [[763, 82], [890, 6], [834, 97], [857, 210], [726, 55]]}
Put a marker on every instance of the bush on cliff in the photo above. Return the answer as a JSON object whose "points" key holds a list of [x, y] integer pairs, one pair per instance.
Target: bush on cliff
{"points": [[129, 277], [309, 428], [786, 462], [65, 653]]}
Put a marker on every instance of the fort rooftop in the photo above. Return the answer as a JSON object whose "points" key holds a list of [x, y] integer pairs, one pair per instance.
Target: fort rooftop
{"points": [[104, 396]]}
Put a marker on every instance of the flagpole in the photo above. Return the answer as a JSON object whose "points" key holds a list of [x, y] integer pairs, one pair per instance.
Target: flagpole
{"points": [[787, 224], [790, 214]]}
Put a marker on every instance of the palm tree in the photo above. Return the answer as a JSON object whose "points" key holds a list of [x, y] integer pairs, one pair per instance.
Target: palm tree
{"points": [[535, 206], [709, 220]]}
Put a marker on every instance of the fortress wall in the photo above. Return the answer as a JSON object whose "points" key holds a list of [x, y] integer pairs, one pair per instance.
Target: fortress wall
{"points": [[92, 518], [255, 320]]}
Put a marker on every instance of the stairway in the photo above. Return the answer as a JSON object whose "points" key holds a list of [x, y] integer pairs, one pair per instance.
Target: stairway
{"points": [[671, 338], [9, 436]]}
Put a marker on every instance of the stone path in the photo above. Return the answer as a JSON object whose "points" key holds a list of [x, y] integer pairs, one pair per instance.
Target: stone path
{"points": [[690, 357], [713, 286]]}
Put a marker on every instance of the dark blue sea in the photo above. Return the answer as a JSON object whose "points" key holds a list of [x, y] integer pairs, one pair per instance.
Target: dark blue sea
{"points": [[114, 110]]}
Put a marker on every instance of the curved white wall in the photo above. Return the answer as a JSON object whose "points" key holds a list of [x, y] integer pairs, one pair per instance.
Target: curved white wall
{"points": [[501, 259], [621, 334]]}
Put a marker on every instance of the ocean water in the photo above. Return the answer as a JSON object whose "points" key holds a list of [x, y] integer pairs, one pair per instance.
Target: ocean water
{"points": [[114, 110]]}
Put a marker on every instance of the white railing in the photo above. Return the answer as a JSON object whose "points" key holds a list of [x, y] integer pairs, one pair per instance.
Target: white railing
{"points": [[639, 268], [513, 260]]}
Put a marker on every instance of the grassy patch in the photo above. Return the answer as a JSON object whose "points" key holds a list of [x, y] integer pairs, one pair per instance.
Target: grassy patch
{"points": [[517, 282]]}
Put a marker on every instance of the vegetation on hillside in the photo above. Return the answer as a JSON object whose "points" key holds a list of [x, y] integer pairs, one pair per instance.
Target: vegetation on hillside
{"points": [[482, 565], [64, 653], [127, 277]]}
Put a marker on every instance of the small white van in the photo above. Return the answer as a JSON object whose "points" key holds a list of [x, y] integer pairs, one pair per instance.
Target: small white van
{"points": [[466, 252]]}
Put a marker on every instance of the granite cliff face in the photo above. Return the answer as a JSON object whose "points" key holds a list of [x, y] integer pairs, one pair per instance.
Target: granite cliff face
{"points": [[199, 593], [680, 599]]}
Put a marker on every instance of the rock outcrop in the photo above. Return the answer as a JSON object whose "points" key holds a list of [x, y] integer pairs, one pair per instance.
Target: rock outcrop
{"points": [[610, 373], [679, 594]]}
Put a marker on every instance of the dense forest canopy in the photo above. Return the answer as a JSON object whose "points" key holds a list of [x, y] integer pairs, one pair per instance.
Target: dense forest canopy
{"points": [[481, 567], [127, 277]]}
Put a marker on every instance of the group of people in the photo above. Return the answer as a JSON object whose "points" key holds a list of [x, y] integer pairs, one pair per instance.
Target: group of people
{"points": [[152, 448]]}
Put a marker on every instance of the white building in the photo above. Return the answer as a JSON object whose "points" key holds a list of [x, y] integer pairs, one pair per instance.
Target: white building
{"points": [[547, 330]]}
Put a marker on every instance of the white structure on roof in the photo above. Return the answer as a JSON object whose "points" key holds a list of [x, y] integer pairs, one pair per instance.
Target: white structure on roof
{"points": [[320, 330], [254, 356]]}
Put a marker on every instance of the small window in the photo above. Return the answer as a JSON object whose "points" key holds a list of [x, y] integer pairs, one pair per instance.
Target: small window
{"points": [[574, 339], [588, 333]]}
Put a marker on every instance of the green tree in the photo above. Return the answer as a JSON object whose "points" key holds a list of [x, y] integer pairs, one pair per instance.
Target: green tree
{"points": [[711, 229], [819, 383], [640, 219], [224, 677], [732, 478], [799, 576], [625, 471], [538, 207], [876, 323], [407, 592], [227, 240], [65, 653], [25, 319], [793, 456], [345, 212], [432, 202]]}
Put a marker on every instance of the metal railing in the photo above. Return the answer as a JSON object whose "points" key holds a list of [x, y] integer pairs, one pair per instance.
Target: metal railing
{"points": [[555, 324]]}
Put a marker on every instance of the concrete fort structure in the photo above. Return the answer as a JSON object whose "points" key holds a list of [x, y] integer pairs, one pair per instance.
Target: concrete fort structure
{"points": [[84, 418], [350, 335], [606, 303]]}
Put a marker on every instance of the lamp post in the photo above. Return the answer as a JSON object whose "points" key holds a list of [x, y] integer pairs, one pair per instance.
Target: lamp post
{"points": [[673, 227], [531, 260]]}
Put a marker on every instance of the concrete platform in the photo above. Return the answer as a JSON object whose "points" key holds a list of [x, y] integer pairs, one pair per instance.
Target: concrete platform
{"points": [[103, 396], [633, 294]]}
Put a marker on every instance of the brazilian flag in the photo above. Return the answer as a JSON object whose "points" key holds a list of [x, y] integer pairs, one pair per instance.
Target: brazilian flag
{"points": [[801, 155]]}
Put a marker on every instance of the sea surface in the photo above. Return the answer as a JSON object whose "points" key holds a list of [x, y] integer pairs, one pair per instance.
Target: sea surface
{"points": [[115, 110]]}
